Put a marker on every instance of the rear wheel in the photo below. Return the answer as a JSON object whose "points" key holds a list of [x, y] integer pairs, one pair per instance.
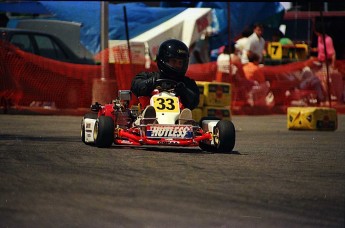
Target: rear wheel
{"points": [[90, 115], [104, 132], [207, 147], [207, 118], [224, 136]]}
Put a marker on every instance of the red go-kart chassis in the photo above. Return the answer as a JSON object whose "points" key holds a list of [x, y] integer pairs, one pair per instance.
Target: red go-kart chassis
{"points": [[134, 136], [143, 140]]}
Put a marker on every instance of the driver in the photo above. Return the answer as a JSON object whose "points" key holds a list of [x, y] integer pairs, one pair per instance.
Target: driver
{"points": [[172, 62]]}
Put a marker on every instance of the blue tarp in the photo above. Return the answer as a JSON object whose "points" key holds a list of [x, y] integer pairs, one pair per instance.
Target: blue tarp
{"points": [[142, 17], [28, 7]]}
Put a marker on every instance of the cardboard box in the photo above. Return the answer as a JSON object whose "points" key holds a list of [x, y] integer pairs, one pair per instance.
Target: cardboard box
{"points": [[312, 118], [216, 93], [223, 113]]}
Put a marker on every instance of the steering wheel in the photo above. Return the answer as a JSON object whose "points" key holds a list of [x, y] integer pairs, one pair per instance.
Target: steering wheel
{"points": [[163, 84]]}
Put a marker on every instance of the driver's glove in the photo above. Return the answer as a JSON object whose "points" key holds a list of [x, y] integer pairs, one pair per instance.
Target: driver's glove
{"points": [[180, 88], [151, 82], [188, 98]]}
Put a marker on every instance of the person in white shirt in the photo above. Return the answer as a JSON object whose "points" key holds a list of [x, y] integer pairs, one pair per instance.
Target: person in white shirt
{"points": [[223, 61], [255, 44], [242, 42]]}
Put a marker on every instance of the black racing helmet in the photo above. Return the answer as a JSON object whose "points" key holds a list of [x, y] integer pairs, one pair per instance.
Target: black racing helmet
{"points": [[172, 49]]}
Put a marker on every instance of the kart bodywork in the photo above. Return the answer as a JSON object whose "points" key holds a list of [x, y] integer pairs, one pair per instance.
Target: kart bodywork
{"points": [[121, 124]]}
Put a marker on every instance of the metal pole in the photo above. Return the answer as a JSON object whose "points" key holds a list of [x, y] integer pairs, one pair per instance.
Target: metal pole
{"points": [[309, 27], [229, 47], [229, 30], [326, 60], [229, 38], [103, 88], [104, 39], [325, 6], [127, 35]]}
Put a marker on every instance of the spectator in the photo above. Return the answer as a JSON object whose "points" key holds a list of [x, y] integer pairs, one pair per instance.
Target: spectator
{"points": [[242, 42], [255, 44], [229, 69], [226, 60], [326, 54], [280, 37], [200, 49], [260, 94], [309, 81], [331, 54], [252, 69], [285, 40]]}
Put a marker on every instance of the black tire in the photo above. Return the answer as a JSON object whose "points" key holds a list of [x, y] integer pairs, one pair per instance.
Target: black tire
{"points": [[207, 147], [224, 136], [90, 115], [104, 132]]}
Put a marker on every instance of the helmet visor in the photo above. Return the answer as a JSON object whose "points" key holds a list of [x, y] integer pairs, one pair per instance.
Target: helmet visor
{"points": [[176, 63]]}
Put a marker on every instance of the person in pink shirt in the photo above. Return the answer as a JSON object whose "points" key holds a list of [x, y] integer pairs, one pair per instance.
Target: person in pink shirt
{"points": [[331, 54], [337, 86]]}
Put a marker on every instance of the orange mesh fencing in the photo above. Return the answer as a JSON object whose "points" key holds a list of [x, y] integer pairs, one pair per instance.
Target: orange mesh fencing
{"points": [[33, 81], [29, 80], [202, 72]]}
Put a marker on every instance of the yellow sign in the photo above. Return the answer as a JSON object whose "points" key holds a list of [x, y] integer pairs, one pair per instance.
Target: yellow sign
{"points": [[166, 104], [275, 50]]}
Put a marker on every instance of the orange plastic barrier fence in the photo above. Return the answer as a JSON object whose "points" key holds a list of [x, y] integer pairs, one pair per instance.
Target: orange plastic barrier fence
{"points": [[30, 80]]}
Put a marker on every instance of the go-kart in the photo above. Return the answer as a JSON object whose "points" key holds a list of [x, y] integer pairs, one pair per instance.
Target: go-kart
{"points": [[122, 124]]}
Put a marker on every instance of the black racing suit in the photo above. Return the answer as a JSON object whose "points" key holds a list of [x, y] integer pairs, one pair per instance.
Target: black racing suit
{"points": [[188, 91]]}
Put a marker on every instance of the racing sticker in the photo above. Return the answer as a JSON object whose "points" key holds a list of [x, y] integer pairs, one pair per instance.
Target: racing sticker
{"points": [[166, 104], [159, 131]]}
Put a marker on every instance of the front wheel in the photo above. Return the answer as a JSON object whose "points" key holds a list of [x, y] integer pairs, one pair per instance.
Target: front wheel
{"points": [[86, 116], [224, 136], [104, 132]]}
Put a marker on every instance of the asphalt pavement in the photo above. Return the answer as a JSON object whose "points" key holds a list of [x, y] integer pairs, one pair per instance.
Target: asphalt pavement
{"points": [[275, 177]]}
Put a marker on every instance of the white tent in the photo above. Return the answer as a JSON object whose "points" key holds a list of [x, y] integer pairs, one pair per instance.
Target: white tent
{"points": [[187, 26]]}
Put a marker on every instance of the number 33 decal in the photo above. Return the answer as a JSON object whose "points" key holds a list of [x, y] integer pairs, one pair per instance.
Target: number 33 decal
{"points": [[167, 103]]}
